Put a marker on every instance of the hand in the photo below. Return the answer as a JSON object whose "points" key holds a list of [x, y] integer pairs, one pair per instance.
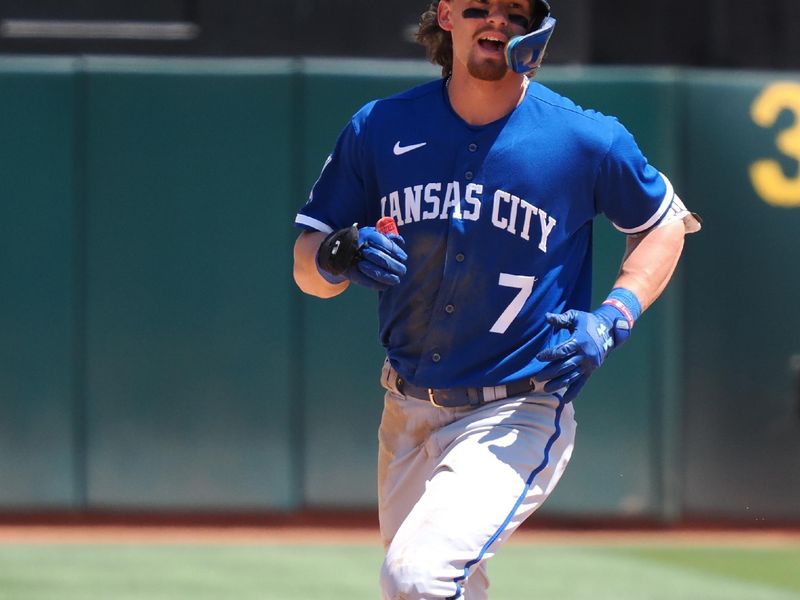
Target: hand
{"points": [[573, 361], [382, 260], [364, 256]]}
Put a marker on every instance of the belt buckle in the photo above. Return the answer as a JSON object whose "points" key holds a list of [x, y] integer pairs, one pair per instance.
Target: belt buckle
{"points": [[433, 399]]}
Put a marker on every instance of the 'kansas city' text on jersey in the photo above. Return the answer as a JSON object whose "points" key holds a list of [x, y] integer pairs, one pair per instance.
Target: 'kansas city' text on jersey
{"points": [[497, 221]]}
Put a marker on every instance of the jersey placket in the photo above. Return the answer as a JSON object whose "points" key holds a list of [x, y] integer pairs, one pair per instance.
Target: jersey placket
{"points": [[447, 318]]}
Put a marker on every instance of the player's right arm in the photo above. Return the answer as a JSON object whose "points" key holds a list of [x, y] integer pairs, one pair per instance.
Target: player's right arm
{"points": [[306, 273], [325, 263], [334, 249]]}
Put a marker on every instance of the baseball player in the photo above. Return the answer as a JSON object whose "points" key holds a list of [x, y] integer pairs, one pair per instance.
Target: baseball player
{"points": [[484, 289]]}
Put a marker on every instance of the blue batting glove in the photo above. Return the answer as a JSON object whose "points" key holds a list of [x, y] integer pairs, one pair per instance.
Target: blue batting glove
{"points": [[594, 335], [382, 260]]}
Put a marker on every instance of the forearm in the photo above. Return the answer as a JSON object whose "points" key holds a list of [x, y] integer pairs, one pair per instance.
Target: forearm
{"points": [[650, 261], [306, 275]]}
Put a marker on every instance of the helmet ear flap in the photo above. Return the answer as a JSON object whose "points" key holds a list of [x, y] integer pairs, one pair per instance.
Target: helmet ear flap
{"points": [[524, 53], [541, 10]]}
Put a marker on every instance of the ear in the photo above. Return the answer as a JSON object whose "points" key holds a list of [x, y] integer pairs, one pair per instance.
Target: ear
{"points": [[443, 13]]}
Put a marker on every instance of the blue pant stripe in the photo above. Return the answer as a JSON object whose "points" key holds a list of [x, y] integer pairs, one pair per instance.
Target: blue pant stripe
{"points": [[519, 501]]}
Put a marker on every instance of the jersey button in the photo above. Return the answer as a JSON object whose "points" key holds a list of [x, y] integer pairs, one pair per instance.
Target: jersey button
{"points": [[472, 147], [468, 175], [459, 257], [449, 309], [436, 357]]}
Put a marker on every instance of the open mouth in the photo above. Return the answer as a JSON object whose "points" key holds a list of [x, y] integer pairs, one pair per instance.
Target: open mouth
{"points": [[491, 43]]}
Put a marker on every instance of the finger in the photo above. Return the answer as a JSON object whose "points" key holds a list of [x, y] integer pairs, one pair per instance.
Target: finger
{"points": [[397, 239], [558, 368], [564, 349], [575, 389], [375, 239], [377, 273], [561, 382], [383, 260], [360, 278], [563, 320]]}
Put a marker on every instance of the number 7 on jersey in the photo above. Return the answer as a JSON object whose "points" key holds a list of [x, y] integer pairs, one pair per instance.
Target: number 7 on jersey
{"points": [[524, 284]]}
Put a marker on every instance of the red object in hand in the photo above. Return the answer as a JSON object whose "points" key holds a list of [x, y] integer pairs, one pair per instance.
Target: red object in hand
{"points": [[386, 225]]}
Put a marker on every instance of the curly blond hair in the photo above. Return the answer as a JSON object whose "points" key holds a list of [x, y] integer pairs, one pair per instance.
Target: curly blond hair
{"points": [[438, 42]]}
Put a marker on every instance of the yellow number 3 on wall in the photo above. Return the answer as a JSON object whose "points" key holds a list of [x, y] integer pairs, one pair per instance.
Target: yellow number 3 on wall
{"points": [[769, 179]]}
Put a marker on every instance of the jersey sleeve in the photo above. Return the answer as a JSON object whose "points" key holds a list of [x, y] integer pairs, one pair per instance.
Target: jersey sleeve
{"points": [[633, 194], [337, 198]]}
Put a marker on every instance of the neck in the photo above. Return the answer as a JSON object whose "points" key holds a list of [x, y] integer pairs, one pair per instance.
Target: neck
{"points": [[479, 102]]}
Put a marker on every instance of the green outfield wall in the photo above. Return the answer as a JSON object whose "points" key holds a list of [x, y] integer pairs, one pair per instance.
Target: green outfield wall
{"points": [[155, 354]]}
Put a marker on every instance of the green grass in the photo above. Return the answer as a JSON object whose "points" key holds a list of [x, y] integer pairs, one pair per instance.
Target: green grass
{"points": [[266, 572], [172, 572], [652, 573]]}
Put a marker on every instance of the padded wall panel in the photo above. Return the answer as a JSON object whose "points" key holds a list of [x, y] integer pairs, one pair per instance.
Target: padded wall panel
{"points": [[742, 327], [188, 284], [39, 278]]}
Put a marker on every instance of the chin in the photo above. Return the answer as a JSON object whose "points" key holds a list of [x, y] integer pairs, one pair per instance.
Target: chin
{"points": [[487, 70]]}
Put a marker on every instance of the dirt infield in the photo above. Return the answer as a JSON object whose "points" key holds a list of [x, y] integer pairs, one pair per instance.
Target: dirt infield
{"points": [[336, 527], [182, 534]]}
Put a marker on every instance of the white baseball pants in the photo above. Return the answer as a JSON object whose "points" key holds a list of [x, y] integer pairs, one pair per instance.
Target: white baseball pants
{"points": [[455, 483]]}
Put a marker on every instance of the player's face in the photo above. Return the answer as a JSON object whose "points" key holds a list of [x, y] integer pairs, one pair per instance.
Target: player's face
{"points": [[481, 29]]}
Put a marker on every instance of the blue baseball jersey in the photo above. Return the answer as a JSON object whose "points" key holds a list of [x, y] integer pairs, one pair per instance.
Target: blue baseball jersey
{"points": [[497, 222]]}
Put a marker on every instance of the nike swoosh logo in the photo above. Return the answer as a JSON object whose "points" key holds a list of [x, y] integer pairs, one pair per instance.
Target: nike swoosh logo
{"points": [[400, 150]]}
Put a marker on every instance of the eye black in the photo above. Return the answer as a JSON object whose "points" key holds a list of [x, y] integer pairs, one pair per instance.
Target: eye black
{"points": [[519, 20], [482, 13], [475, 13]]}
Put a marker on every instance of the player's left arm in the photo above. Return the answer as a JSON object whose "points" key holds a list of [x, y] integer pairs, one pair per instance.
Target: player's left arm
{"points": [[648, 264], [640, 202]]}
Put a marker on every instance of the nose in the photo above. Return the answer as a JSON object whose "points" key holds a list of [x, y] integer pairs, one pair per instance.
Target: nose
{"points": [[497, 15]]}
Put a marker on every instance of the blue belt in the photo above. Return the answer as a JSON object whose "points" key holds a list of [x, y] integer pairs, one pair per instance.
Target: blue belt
{"points": [[456, 397]]}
